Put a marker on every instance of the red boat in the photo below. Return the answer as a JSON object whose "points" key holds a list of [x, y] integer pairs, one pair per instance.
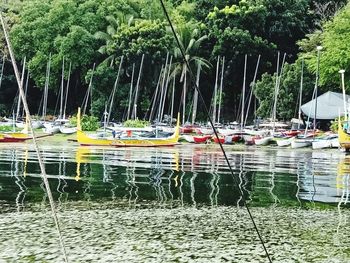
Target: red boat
{"points": [[201, 139], [222, 139], [291, 133], [186, 129]]}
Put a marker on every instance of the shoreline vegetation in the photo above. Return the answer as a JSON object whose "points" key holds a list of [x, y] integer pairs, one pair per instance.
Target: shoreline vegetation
{"points": [[117, 50]]}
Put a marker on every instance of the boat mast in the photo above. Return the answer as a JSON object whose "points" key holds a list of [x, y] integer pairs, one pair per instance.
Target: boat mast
{"points": [[172, 100], [301, 91], [319, 48], [134, 115], [195, 95], [88, 92], [61, 93], [166, 87], [342, 71], [184, 94], [162, 89], [243, 91], [155, 95], [67, 90], [278, 83], [46, 88], [26, 89], [221, 87], [114, 90], [19, 97], [215, 89], [131, 91], [252, 89]]}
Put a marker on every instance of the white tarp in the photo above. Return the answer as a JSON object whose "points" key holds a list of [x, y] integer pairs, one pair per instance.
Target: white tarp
{"points": [[329, 106]]}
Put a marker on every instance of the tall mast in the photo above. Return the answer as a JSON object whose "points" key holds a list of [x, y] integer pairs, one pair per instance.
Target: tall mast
{"points": [[172, 100], [243, 91], [67, 90], [88, 92], [131, 91], [215, 89], [276, 94], [134, 115], [251, 90], [195, 96], [300, 91], [156, 94], [62, 91], [19, 97], [166, 87], [114, 90], [46, 88], [162, 89], [221, 87]]}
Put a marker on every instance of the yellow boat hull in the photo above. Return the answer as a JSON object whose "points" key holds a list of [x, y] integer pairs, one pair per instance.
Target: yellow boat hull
{"points": [[85, 139], [343, 137]]}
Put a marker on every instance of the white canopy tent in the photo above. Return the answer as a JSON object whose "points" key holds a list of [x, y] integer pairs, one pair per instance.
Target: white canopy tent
{"points": [[329, 106]]}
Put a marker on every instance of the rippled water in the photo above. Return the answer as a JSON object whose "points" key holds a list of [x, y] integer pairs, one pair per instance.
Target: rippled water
{"points": [[178, 204]]}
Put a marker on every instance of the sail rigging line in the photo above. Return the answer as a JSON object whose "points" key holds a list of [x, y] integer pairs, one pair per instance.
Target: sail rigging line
{"points": [[40, 159], [215, 131]]}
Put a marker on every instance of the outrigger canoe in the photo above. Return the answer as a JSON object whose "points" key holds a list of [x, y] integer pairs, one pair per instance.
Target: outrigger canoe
{"points": [[14, 137], [128, 141]]}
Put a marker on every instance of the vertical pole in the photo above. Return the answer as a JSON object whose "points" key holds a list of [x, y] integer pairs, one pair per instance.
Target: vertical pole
{"points": [[215, 89], [221, 88], [342, 71], [319, 48], [195, 95], [243, 91], [134, 115], [301, 91], [131, 91]]}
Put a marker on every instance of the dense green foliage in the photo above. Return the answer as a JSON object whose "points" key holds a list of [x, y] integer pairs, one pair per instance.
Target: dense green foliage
{"points": [[136, 123], [102, 31]]}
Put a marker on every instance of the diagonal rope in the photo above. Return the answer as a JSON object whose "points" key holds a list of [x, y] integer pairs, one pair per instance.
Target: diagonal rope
{"points": [[40, 160], [215, 132]]}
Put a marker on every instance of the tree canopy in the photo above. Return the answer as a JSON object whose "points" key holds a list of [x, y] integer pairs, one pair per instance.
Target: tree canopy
{"points": [[102, 31]]}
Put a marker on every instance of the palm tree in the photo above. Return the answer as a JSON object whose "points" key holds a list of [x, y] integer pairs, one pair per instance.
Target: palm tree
{"points": [[111, 30], [190, 41]]}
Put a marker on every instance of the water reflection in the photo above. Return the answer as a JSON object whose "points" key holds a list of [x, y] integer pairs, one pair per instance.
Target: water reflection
{"points": [[177, 176]]}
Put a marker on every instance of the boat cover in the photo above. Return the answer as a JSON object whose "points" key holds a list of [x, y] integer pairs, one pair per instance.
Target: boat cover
{"points": [[329, 106]]}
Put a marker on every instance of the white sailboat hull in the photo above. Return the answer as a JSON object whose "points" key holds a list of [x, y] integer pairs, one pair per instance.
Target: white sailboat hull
{"points": [[263, 141], [300, 143], [67, 130], [284, 142]]}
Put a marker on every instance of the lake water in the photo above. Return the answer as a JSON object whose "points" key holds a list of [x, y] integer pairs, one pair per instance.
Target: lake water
{"points": [[178, 204]]}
